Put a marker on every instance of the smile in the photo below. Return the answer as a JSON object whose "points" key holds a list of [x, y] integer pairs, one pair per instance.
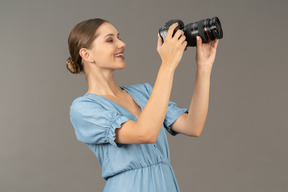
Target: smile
{"points": [[120, 56]]}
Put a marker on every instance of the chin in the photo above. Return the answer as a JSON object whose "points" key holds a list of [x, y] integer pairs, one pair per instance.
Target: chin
{"points": [[121, 66]]}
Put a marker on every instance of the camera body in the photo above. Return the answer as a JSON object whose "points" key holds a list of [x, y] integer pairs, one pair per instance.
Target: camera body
{"points": [[207, 29]]}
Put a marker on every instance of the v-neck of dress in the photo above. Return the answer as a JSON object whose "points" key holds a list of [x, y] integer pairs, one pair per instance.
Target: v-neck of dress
{"points": [[130, 93]]}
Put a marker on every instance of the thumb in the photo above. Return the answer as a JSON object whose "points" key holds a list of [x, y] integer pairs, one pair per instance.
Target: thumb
{"points": [[159, 42], [199, 43]]}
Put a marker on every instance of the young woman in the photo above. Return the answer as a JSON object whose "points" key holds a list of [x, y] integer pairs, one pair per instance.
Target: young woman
{"points": [[125, 125]]}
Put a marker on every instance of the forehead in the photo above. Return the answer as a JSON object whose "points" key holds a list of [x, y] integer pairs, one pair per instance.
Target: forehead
{"points": [[105, 29]]}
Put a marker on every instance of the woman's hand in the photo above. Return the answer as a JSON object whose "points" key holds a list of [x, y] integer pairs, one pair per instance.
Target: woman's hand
{"points": [[171, 51], [205, 54]]}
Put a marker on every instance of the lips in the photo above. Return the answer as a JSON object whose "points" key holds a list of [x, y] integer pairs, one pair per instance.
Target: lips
{"points": [[120, 55]]}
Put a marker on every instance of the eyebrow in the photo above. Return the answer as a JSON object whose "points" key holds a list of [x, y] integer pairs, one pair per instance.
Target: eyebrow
{"points": [[111, 34]]}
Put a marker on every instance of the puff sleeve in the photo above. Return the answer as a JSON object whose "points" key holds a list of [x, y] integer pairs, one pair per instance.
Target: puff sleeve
{"points": [[173, 112], [93, 124]]}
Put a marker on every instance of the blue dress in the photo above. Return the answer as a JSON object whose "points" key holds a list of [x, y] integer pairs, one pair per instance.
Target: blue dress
{"points": [[125, 167]]}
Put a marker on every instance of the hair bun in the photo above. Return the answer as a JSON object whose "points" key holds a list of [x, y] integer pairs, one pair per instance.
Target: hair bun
{"points": [[72, 66]]}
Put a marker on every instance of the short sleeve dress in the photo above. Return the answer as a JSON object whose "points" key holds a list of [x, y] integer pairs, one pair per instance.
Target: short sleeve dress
{"points": [[125, 167]]}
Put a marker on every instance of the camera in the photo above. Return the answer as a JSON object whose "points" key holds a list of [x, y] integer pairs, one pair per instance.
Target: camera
{"points": [[207, 29]]}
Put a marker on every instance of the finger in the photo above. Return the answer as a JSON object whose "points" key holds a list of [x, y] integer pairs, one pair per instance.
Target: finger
{"points": [[182, 39], [215, 43], [171, 29], [199, 43], [178, 34], [159, 42], [184, 44]]}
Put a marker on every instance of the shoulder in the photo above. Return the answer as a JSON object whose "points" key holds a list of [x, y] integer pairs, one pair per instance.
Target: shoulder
{"points": [[84, 104]]}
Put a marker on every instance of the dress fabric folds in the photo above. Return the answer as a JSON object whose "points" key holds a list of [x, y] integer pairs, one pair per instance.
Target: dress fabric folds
{"points": [[125, 167]]}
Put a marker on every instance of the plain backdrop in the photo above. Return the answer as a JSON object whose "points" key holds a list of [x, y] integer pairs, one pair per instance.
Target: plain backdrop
{"points": [[244, 143]]}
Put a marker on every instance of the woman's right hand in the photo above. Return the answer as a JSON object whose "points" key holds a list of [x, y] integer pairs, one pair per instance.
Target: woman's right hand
{"points": [[171, 51]]}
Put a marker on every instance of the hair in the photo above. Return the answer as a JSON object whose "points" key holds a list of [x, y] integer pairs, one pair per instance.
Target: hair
{"points": [[81, 36]]}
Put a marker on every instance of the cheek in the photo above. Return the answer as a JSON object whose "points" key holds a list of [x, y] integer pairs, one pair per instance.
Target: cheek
{"points": [[104, 58], [100, 54], [104, 55]]}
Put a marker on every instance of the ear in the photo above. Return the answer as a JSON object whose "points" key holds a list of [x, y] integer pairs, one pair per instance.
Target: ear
{"points": [[85, 54]]}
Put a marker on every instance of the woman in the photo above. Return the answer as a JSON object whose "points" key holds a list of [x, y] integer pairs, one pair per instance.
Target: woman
{"points": [[124, 125]]}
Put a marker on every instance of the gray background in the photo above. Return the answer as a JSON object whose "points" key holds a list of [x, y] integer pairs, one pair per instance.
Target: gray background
{"points": [[244, 143]]}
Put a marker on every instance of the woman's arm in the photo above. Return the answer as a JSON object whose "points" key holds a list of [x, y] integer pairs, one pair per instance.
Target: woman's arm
{"points": [[151, 119], [192, 124]]}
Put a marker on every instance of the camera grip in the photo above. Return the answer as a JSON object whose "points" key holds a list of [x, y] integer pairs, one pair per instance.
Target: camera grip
{"points": [[163, 30]]}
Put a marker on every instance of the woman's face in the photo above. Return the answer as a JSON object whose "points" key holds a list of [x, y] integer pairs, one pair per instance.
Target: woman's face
{"points": [[107, 49]]}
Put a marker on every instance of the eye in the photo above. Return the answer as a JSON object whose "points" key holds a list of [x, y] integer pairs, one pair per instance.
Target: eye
{"points": [[111, 40]]}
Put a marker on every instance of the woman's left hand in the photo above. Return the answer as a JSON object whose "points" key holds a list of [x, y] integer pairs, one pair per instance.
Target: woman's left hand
{"points": [[205, 54]]}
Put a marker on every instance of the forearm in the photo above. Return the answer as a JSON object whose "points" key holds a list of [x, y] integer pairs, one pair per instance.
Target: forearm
{"points": [[198, 108], [153, 115]]}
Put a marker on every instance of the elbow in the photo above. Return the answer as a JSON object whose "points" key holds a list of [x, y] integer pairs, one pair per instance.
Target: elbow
{"points": [[148, 137], [195, 133], [152, 140]]}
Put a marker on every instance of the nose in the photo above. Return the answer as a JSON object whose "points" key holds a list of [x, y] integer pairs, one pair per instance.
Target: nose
{"points": [[121, 44]]}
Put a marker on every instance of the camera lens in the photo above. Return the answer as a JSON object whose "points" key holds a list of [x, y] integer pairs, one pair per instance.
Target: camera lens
{"points": [[215, 28], [208, 30]]}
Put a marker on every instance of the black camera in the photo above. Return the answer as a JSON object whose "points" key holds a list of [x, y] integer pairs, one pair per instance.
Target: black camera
{"points": [[208, 30]]}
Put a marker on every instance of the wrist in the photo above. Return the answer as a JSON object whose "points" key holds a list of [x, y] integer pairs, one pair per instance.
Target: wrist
{"points": [[167, 68], [204, 69]]}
